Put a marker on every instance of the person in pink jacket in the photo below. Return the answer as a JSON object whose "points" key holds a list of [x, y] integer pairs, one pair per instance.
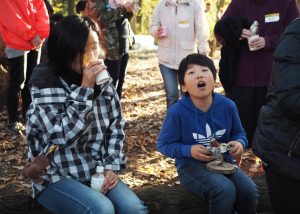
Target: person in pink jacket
{"points": [[180, 28], [24, 25]]}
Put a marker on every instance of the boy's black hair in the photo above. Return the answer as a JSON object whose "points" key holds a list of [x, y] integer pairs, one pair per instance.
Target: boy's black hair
{"points": [[80, 6], [195, 59]]}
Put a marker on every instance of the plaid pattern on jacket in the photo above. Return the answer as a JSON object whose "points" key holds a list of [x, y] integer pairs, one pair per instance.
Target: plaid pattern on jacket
{"points": [[87, 130]]}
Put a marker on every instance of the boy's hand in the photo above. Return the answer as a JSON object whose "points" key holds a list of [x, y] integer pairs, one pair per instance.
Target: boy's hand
{"points": [[201, 153], [236, 149]]}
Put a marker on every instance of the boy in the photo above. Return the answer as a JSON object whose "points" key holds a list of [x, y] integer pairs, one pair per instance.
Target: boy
{"points": [[188, 127]]}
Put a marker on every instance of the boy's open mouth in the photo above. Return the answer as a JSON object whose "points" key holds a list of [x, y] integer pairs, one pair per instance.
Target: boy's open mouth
{"points": [[201, 84]]}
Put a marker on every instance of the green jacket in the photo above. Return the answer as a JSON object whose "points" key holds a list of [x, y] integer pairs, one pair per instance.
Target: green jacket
{"points": [[106, 17]]}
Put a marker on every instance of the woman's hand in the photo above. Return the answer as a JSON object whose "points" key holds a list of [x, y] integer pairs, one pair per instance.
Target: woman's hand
{"points": [[245, 34], [90, 73], [258, 43], [111, 180], [161, 32], [201, 153], [236, 149]]}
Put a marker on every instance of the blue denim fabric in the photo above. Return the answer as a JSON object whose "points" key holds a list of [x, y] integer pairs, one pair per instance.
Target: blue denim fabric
{"points": [[225, 193], [70, 196], [169, 76]]}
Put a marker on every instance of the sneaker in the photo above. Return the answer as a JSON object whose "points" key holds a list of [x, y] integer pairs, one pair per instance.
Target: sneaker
{"points": [[16, 127]]}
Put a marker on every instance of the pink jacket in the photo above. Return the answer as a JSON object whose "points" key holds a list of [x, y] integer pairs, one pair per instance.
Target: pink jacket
{"points": [[21, 20], [186, 26]]}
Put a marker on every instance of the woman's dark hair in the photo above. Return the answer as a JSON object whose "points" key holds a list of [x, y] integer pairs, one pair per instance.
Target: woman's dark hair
{"points": [[195, 59], [68, 39]]}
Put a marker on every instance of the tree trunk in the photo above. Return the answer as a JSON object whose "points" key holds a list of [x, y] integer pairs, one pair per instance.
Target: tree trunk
{"points": [[71, 6], [213, 42], [158, 199]]}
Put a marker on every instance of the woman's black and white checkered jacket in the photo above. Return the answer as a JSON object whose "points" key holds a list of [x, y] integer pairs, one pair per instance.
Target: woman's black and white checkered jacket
{"points": [[87, 130]]}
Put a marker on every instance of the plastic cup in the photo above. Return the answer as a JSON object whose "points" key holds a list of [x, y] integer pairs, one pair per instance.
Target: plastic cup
{"points": [[250, 39]]}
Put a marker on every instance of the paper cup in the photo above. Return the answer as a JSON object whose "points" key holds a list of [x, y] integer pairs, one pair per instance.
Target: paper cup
{"points": [[164, 30], [250, 39], [102, 77]]}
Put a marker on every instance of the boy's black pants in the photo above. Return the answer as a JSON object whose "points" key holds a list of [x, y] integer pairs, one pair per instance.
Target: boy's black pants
{"points": [[117, 71]]}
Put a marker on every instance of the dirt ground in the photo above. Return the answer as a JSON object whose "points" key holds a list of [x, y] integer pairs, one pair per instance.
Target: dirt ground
{"points": [[144, 110]]}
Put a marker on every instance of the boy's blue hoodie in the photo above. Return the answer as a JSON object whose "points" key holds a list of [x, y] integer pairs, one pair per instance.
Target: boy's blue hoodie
{"points": [[185, 125]]}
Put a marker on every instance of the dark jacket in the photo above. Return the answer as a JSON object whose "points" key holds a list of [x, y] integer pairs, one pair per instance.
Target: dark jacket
{"points": [[228, 32], [277, 138]]}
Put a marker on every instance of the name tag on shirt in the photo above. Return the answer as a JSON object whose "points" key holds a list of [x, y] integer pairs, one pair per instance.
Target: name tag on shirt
{"points": [[272, 17], [184, 24]]}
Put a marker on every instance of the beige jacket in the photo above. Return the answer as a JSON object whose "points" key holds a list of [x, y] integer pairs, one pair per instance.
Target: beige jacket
{"points": [[186, 27]]}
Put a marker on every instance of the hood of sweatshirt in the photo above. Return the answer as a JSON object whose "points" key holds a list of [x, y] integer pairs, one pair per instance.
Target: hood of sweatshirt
{"points": [[187, 102], [205, 122]]}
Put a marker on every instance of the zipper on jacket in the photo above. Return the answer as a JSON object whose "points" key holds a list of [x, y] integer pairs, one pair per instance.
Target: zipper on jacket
{"points": [[175, 35], [292, 147]]}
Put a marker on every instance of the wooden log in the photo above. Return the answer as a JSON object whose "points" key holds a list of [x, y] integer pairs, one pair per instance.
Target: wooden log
{"points": [[14, 201], [158, 199], [176, 200]]}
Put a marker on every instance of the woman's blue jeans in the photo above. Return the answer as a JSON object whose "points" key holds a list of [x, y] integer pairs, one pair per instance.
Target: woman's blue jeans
{"points": [[169, 76], [225, 193], [70, 196]]}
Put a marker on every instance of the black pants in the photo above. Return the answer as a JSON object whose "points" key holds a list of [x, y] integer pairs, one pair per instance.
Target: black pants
{"points": [[113, 68], [284, 193], [249, 100], [117, 71], [20, 70], [123, 71]]}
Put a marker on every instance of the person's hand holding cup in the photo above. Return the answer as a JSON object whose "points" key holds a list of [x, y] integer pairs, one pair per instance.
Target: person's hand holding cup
{"points": [[162, 31], [251, 40], [94, 71]]}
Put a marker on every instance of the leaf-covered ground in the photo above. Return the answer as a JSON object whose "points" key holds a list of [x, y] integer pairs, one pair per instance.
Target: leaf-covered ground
{"points": [[144, 109]]}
